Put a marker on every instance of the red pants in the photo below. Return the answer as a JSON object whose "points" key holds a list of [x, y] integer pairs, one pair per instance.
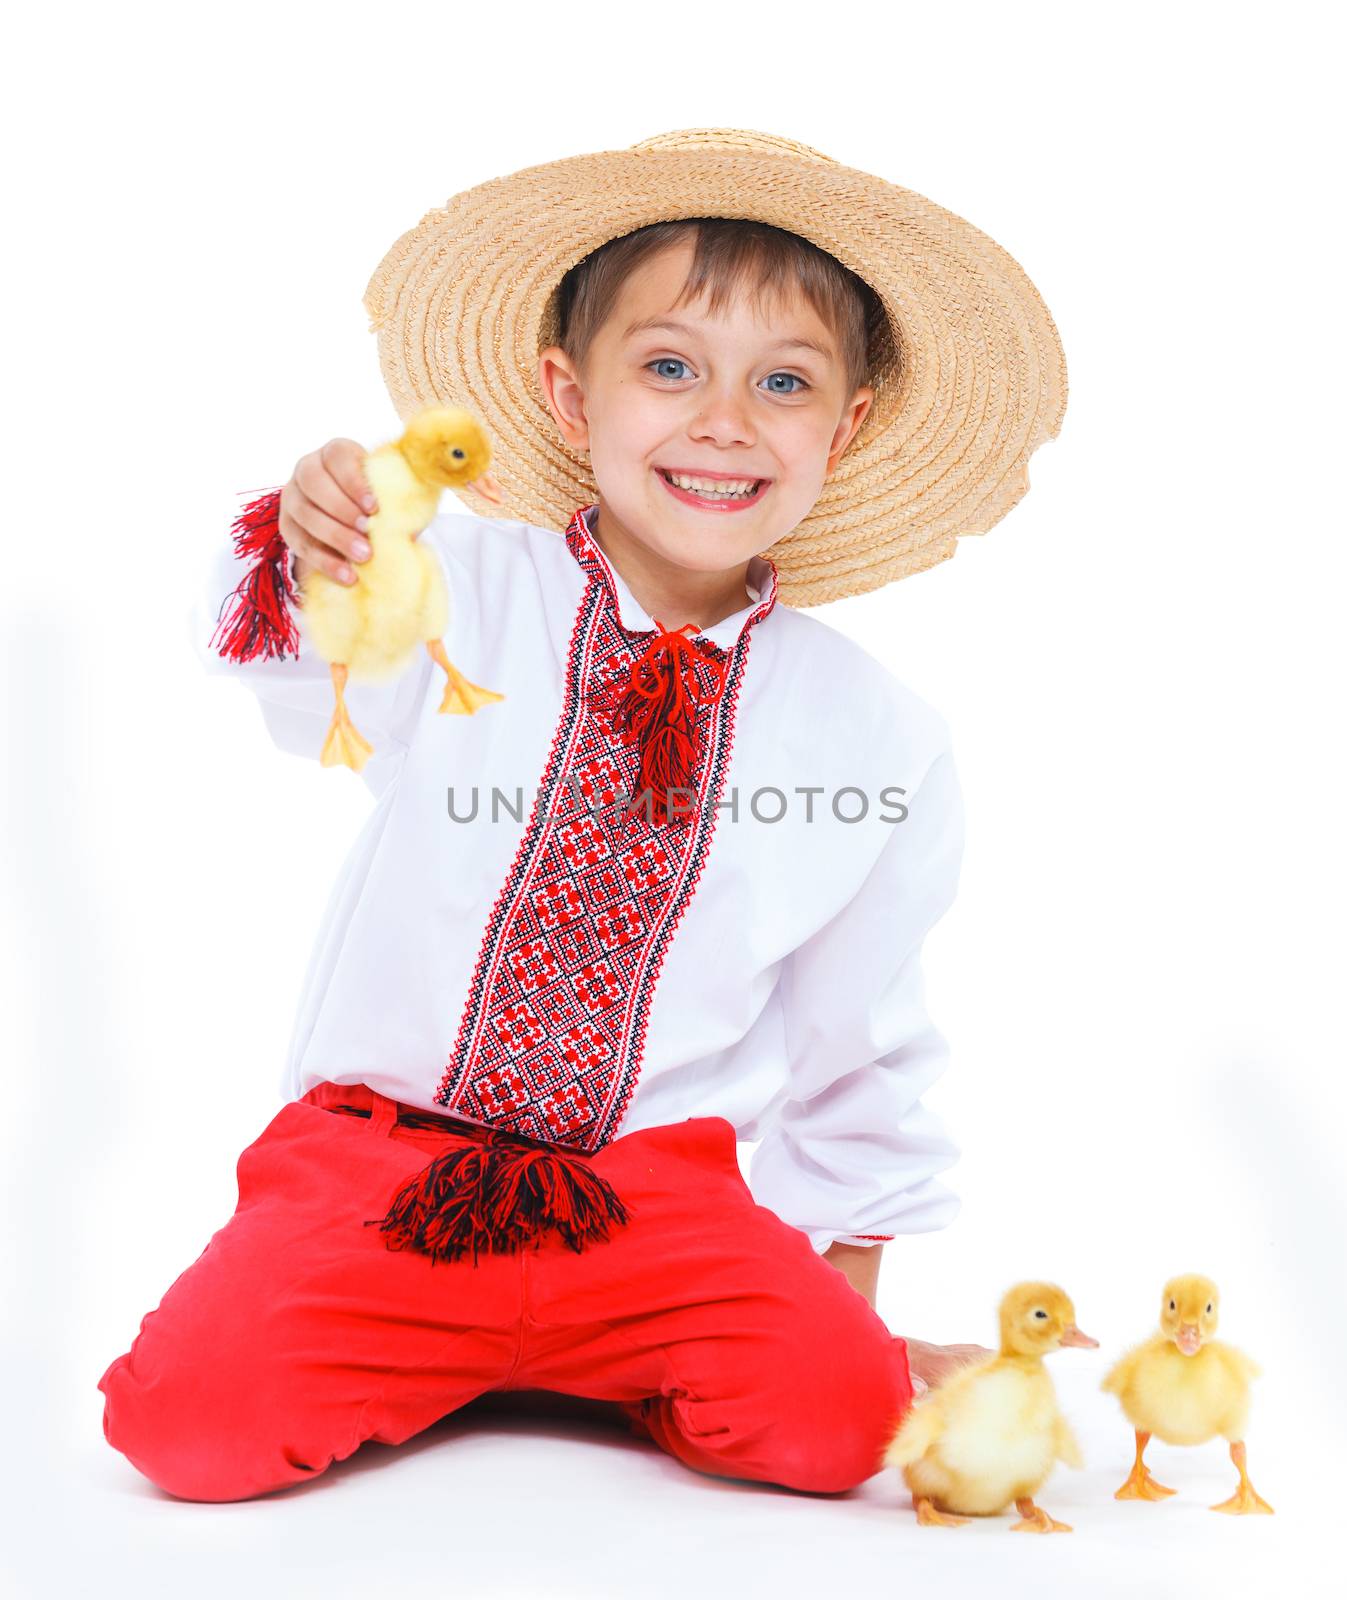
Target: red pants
{"points": [[297, 1334]]}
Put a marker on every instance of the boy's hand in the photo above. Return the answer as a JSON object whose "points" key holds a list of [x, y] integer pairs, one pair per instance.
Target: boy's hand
{"points": [[325, 508], [931, 1364]]}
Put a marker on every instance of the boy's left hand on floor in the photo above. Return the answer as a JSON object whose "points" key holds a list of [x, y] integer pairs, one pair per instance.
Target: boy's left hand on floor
{"points": [[931, 1364]]}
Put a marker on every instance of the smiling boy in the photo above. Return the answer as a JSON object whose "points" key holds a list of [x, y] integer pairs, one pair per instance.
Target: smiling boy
{"points": [[605, 997], [742, 386]]}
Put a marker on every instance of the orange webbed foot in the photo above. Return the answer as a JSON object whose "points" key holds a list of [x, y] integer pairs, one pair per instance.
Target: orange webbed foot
{"points": [[1033, 1519], [461, 695], [1140, 1485], [929, 1517], [1246, 1500], [343, 746]]}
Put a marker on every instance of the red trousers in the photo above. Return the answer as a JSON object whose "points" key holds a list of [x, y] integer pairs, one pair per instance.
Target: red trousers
{"points": [[297, 1334]]}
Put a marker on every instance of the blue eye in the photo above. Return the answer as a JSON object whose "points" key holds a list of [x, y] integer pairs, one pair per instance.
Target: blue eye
{"points": [[677, 361], [794, 378]]}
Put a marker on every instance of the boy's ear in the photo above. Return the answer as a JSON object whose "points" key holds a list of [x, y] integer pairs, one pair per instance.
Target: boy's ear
{"points": [[559, 381], [850, 423]]}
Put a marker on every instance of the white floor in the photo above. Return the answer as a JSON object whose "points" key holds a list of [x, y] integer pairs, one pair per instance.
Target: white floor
{"points": [[500, 1503], [109, 1201]]}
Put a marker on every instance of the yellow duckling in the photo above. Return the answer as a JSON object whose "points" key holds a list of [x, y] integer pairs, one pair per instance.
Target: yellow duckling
{"points": [[992, 1432], [1185, 1387], [370, 629]]}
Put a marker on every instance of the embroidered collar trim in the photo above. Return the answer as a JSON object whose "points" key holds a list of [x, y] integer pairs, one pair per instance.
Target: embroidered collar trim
{"points": [[725, 634]]}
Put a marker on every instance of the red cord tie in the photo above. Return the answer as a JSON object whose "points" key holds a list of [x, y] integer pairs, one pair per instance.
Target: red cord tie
{"points": [[260, 621], [657, 709]]}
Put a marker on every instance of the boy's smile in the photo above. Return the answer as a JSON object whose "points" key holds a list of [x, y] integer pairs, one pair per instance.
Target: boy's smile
{"points": [[710, 437], [713, 491]]}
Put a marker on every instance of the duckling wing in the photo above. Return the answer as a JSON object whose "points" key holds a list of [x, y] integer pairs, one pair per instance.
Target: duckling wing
{"points": [[434, 618], [1228, 1396], [919, 1431], [1119, 1377], [1242, 1366], [1066, 1445], [333, 617], [930, 1417]]}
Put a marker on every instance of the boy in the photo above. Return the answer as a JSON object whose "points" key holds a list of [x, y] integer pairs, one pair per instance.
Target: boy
{"points": [[621, 992]]}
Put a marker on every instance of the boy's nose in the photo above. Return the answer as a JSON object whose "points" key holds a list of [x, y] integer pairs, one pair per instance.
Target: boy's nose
{"points": [[723, 418]]}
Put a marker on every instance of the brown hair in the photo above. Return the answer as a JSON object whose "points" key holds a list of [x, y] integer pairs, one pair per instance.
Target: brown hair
{"points": [[731, 252]]}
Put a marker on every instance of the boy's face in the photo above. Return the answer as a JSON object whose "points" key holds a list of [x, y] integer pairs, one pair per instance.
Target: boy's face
{"points": [[740, 396]]}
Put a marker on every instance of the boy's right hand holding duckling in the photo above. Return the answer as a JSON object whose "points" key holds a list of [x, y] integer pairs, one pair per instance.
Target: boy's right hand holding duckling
{"points": [[325, 510]]}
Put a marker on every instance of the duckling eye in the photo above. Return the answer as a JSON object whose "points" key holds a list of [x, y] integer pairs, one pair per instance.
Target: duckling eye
{"points": [[457, 453], [1042, 1314], [1208, 1307], [1171, 1305]]}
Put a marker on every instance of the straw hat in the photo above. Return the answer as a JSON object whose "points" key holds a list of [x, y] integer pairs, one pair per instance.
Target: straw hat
{"points": [[974, 382]]}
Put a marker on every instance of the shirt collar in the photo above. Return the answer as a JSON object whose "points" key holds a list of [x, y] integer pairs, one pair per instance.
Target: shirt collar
{"points": [[761, 581]]}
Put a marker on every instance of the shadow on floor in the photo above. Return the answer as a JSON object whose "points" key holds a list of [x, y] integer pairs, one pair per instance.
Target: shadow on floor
{"points": [[546, 1403]]}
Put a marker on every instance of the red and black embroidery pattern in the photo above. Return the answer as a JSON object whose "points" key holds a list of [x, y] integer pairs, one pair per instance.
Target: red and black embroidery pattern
{"points": [[551, 1037]]}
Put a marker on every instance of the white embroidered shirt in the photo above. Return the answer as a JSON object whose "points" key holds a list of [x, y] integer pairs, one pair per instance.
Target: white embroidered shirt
{"points": [[503, 946]]}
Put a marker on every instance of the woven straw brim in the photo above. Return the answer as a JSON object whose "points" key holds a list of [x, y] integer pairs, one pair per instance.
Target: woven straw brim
{"points": [[463, 302]]}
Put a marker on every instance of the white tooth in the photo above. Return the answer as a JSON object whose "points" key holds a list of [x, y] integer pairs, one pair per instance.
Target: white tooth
{"points": [[717, 488]]}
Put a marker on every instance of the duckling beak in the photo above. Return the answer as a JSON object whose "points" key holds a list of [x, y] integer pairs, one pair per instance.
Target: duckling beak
{"points": [[1073, 1335], [1189, 1338], [489, 488]]}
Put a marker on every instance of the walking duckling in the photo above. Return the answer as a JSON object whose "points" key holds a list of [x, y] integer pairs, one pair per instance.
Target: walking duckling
{"points": [[370, 629], [1185, 1387], [992, 1433]]}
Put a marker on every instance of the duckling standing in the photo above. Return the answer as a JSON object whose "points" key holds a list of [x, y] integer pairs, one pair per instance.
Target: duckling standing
{"points": [[1185, 1387], [992, 1432], [369, 629]]}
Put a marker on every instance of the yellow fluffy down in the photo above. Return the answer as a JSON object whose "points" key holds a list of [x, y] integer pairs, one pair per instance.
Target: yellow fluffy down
{"points": [[399, 602], [1183, 1399], [989, 1435]]}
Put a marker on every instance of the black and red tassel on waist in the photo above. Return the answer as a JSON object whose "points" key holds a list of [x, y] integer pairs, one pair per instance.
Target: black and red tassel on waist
{"points": [[260, 621], [499, 1191], [656, 708]]}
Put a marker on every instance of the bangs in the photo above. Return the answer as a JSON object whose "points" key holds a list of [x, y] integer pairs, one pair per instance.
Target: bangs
{"points": [[733, 256]]}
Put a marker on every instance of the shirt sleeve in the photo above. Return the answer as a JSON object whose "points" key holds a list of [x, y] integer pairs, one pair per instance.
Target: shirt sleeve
{"points": [[853, 1154], [295, 692]]}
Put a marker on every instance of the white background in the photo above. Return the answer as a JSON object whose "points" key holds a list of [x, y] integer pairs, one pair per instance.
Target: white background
{"points": [[1141, 978]]}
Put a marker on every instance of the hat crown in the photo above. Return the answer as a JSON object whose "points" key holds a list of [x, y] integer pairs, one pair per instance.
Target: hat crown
{"points": [[772, 144]]}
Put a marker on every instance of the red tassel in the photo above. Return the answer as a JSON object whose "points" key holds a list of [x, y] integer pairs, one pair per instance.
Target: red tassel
{"points": [[657, 709], [260, 621], [499, 1193]]}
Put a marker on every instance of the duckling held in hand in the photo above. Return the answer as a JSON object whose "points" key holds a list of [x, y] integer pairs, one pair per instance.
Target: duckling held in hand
{"points": [[1185, 1387], [992, 1433], [370, 629]]}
